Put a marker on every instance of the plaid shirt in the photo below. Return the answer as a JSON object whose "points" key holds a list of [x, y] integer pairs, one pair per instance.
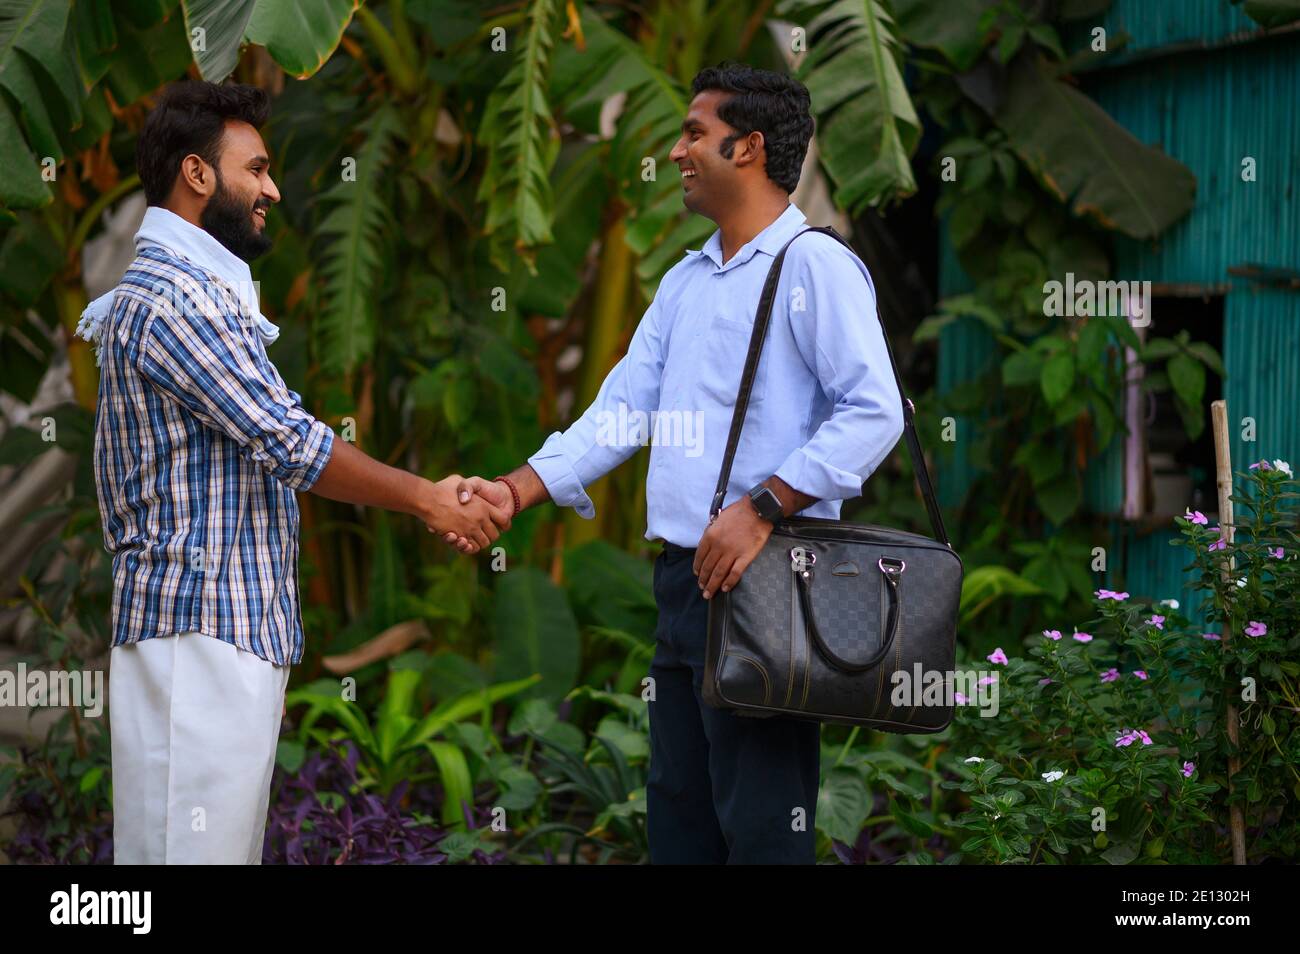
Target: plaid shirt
{"points": [[199, 447]]}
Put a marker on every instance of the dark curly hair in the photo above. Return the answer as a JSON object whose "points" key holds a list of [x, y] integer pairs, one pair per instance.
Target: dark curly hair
{"points": [[774, 104], [190, 117]]}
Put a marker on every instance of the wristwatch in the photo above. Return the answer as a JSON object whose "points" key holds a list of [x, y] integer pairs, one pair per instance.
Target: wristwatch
{"points": [[766, 503]]}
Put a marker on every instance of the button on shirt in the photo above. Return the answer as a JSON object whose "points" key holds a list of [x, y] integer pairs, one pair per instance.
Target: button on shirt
{"points": [[199, 448], [824, 412]]}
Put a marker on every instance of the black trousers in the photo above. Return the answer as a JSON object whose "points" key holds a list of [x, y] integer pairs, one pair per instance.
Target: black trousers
{"points": [[722, 788]]}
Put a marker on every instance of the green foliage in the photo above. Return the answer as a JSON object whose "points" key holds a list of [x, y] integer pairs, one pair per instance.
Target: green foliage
{"points": [[411, 340], [954, 28], [401, 738], [658, 229], [518, 130], [535, 631], [1034, 178], [1085, 158], [982, 585], [34, 38], [1134, 717], [299, 34], [352, 231], [857, 90]]}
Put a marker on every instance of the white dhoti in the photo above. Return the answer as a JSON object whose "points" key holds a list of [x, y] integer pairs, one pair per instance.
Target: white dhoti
{"points": [[194, 724]]}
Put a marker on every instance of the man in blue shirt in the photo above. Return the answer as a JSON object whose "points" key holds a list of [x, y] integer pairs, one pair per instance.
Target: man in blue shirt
{"points": [[823, 415]]}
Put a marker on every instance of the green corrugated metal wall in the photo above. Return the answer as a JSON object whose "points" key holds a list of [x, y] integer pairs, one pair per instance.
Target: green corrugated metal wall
{"points": [[1154, 25], [965, 349], [1210, 111], [1261, 345]]}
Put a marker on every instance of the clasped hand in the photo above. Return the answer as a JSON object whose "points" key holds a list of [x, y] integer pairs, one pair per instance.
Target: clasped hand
{"points": [[468, 512]]}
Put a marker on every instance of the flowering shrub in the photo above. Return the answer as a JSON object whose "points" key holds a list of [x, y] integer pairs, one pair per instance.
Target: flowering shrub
{"points": [[1111, 744]]}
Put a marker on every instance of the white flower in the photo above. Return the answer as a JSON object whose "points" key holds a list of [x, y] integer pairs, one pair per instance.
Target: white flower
{"points": [[1284, 467], [1172, 604], [974, 758], [1242, 582], [1053, 776]]}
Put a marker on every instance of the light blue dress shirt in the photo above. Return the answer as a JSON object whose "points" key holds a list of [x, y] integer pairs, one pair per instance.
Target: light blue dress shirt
{"points": [[823, 415]]}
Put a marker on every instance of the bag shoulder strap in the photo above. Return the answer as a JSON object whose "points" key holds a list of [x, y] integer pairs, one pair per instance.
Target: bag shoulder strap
{"points": [[756, 339]]}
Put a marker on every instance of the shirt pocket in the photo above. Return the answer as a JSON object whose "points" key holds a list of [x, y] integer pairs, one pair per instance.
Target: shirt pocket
{"points": [[722, 361]]}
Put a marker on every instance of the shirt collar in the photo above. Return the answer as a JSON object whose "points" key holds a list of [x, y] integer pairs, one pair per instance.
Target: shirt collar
{"points": [[188, 241], [770, 240]]}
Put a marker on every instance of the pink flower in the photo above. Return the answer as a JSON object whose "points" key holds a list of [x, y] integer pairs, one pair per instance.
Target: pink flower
{"points": [[1195, 516], [1256, 628], [1140, 673], [1044, 681], [1262, 465], [1129, 736], [1110, 675], [1157, 621], [961, 700], [1276, 553], [1188, 769], [1219, 544], [1210, 636], [1052, 633], [1110, 595], [998, 656], [1083, 637], [988, 681]]}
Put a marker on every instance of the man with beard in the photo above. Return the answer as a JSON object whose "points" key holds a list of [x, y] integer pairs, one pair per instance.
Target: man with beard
{"points": [[199, 448]]}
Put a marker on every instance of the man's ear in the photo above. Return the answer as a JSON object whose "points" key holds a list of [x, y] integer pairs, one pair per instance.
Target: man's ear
{"points": [[197, 176], [749, 148]]}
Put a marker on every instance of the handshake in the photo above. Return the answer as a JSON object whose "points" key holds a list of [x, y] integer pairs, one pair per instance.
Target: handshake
{"points": [[468, 512]]}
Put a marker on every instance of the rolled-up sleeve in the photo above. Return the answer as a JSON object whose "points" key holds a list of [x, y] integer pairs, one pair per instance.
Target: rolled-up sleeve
{"points": [[609, 431], [845, 346], [194, 351]]}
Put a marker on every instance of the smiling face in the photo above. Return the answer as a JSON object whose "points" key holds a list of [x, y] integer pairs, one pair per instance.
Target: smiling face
{"points": [[710, 180], [235, 213]]}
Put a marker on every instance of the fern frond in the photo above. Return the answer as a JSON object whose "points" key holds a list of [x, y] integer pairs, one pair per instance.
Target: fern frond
{"points": [[354, 228], [517, 129]]}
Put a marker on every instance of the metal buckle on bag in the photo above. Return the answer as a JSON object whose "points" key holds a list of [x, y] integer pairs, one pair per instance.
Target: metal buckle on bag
{"points": [[894, 570], [801, 558]]}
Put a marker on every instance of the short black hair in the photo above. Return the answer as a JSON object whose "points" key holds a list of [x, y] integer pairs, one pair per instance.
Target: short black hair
{"points": [[190, 117], [772, 103]]}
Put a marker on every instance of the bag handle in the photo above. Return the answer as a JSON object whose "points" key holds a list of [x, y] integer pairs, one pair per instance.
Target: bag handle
{"points": [[892, 575], [761, 321]]}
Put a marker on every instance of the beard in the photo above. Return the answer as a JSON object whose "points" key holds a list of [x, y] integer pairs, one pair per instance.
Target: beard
{"points": [[229, 220]]}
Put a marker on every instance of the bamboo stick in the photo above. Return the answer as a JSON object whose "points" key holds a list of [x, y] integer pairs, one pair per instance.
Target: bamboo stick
{"points": [[1223, 483]]}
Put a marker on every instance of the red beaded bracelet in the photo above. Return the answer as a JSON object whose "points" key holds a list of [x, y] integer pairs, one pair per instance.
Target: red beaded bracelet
{"points": [[513, 492]]}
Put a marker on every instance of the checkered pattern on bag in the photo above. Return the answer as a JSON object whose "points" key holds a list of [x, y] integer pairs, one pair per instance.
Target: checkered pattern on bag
{"points": [[849, 612]]}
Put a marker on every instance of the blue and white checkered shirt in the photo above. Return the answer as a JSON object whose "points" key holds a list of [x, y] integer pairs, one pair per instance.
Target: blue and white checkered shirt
{"points": [[199, 448]]}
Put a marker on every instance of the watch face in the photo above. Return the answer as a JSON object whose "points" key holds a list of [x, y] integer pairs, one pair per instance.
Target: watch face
{"points": [[766, 503]]}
